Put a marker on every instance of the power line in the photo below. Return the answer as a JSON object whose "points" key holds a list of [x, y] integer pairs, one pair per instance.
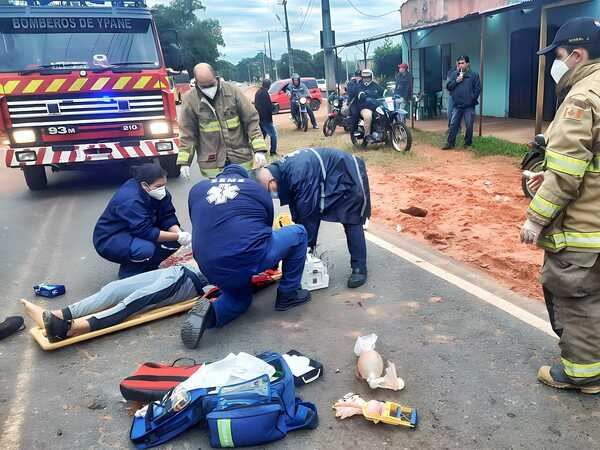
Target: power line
{"points": [[305, 19], [370, 15]]}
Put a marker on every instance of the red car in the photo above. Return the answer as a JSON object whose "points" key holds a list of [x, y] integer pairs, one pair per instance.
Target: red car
{"points": [[280, 100]]}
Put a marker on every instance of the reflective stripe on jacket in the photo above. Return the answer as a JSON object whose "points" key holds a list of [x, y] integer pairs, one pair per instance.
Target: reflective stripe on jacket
{"points": [[567, 202], [224, 130]]}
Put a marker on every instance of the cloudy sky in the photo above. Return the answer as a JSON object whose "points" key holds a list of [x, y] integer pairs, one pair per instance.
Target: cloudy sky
{"points": [[245, 22]]}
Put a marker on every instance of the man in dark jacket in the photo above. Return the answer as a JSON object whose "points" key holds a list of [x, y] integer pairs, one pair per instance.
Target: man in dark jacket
{"points": [[352, 90], [262, 102], [464, 86], [403, 89], [232, 240], [325, 184], [368, 93]]}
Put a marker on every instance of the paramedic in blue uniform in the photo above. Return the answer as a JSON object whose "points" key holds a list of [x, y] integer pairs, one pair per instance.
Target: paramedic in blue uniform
{"points": [[139, 228], [325, 184], [232, 240]]}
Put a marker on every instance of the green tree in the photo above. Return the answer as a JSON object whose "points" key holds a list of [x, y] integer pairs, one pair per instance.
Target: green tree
{"points": [[226, 70], [303, 64], [199, 39], [319, 67], [386, 59]]}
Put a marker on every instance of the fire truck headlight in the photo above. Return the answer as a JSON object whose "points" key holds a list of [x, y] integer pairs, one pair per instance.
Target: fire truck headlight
{"points": [[25, 136], [28, 155], [159, 128]]}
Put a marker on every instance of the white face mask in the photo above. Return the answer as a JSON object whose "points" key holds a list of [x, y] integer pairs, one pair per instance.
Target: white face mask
{"points": [[559, 68], [158, 193], [210, 92]]}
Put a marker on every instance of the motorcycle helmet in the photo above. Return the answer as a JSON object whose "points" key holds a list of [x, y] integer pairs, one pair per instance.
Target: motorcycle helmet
{"points": [[367, 76], [295, 77]]}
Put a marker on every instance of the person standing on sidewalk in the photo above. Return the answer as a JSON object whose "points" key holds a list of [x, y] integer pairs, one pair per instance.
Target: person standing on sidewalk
{"points": [[262, 103], [403, 89], [564, 215], [464, 87]]}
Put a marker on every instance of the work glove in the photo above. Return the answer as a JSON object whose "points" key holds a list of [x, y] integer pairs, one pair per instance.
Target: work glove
{"points": [[260, 160], [184, 238], [530, 232], [185, 172], [534, 180]]}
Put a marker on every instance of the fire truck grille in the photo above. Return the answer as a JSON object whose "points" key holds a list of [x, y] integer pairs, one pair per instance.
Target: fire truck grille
{"points": [[85, 110]]}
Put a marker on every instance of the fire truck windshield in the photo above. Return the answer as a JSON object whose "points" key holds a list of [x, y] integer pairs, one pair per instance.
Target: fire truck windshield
{"points": [[49, 44]]}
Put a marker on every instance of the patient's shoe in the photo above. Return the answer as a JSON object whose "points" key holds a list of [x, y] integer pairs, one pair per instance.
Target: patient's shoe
{"points": [[56, 328]]}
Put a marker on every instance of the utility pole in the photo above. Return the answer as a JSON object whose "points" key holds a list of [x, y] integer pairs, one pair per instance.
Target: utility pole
{"points": [[264, 62], [330, 58], [270, 56], [289, 42]]}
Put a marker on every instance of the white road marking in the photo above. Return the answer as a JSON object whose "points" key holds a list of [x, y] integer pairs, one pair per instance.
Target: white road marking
{"points": [[467, 286]]}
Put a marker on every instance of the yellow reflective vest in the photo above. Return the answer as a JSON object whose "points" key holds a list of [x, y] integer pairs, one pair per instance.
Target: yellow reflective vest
{"points": [[568, 202], [224, 130]]}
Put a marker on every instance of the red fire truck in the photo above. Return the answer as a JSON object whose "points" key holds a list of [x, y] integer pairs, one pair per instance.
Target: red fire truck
{"points": [[83, 85]]}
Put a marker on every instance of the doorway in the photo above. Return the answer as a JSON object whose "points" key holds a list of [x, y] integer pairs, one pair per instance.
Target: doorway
{"points": [[524, 65]]}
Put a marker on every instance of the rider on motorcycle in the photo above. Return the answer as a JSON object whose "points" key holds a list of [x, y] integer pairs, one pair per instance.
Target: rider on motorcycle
{"points": [[368, 93], [296, 90]]}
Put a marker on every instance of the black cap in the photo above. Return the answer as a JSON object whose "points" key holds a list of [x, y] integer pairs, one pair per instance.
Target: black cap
{"points": [[578, 31]]}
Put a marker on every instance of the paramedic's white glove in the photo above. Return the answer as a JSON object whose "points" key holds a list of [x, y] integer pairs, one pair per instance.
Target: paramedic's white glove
{"points": [[535, 181], [530, 232], [185, 172], [184, 238], [260, 160]]}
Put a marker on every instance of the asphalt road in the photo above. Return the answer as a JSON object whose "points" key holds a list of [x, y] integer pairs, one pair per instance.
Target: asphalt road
{"points": [[469, 367]]}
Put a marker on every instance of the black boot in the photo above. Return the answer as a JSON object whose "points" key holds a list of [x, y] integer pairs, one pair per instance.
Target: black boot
{"points": [[200, 317], [358, 278], [56, 329], [289, 300]]}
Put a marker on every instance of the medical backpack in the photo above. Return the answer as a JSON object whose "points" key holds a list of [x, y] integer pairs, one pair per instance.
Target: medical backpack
{"points": [[252, 413]]}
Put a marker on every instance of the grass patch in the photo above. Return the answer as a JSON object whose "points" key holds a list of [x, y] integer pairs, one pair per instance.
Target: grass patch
{"points": [[482, 146], [292, 139]]}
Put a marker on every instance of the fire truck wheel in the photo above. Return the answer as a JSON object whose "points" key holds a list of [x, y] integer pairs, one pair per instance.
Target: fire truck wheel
{"points": [[35, 177], [169, 163]]}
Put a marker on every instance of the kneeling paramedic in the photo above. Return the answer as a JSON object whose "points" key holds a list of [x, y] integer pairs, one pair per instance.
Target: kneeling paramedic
{"points": [[139, 228], [232, 240], [564, 215], [325, 184]]}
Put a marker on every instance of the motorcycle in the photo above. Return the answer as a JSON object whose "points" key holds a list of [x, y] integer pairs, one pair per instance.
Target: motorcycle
{"points": [[339, 115], [301, 116], [388, 127], [533, 161]]}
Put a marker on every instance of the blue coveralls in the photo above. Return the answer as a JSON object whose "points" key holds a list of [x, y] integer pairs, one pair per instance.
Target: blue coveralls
{"points": [[326, 184], [233, 239], [127, 231]]}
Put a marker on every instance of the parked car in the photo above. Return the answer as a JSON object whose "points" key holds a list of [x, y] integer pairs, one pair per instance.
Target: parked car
{"points": [[322, 84], [182, 84], [280, 100]]}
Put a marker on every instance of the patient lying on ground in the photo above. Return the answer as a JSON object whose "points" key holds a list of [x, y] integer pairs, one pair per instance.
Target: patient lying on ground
{"points": [[120, 299]]}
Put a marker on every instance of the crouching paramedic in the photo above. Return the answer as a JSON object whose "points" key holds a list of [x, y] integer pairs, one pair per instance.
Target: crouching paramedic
{"points": [[232, 240], [325, 184], [219, 124], [564, 215], [139, 228], [120, 299]]}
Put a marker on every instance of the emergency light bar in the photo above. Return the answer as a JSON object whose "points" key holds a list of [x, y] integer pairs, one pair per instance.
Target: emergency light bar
{"points": [[114, 3]]}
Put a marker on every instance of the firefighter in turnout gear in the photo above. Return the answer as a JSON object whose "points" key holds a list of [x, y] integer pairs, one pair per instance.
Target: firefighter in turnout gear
{"points": [[564, 216], [219, 124]]}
